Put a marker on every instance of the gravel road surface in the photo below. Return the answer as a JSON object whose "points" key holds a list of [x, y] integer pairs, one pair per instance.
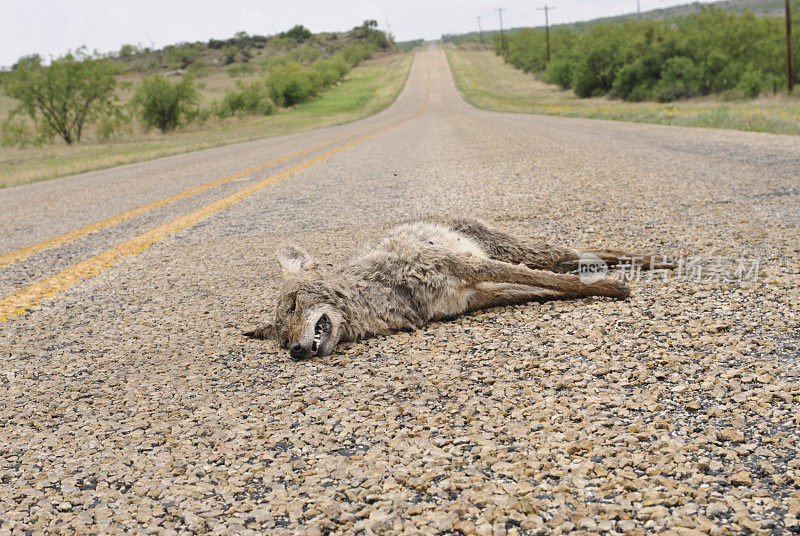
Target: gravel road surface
{"points": [[131, 403]]}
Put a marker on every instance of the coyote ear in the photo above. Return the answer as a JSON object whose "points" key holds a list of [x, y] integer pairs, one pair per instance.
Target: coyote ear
{"points": [[294, 260], [265, 333]]}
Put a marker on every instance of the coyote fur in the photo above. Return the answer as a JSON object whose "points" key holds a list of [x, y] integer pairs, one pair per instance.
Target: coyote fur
{"points": [[422, 272]]}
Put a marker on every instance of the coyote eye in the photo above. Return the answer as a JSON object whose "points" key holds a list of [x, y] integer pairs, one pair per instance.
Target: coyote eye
{"points": [[290, 310]]}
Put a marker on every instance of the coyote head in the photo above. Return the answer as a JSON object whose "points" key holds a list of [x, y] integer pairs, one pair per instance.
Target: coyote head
{"points": [[309, 315]]}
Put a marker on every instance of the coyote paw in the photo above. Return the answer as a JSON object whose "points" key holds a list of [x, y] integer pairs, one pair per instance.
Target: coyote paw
{"points": [[263, 333], [611, 287]]}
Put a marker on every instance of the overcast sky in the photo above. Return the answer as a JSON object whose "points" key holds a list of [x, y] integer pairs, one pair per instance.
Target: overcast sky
{"points": [[53, 27]]}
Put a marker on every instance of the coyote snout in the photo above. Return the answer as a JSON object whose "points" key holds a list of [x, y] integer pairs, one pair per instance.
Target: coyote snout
{"points": [[423, 272]]}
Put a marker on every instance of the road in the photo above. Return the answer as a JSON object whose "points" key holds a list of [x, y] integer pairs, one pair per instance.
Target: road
{"points": [[131, 403]]}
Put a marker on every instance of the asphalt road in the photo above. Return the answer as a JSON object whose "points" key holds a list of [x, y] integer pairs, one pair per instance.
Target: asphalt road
{"points": [[130, 402]]}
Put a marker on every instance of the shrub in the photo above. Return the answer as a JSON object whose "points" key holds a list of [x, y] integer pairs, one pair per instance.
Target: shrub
{"points": [[299, 33], [750, 84], [246, 98], [306, 54], [586, 80], [199, 69], [713, 51], [357, 52], [560, 72], [272, 62], [179, 56], [17, 132], [129, 51], [330, 70], [164, 104], [110, 125], [230, 52], [239, 69], [290, 87], [635, 81], [680, 79]]}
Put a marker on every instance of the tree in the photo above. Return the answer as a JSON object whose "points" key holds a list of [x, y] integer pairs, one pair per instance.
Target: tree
{"points": [[165, 105], [66, 95], [31, 60], [299, 33]]}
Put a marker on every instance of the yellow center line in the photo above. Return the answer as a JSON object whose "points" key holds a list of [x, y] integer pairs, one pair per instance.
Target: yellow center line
{"points": [[46, 288], [21, 254]]}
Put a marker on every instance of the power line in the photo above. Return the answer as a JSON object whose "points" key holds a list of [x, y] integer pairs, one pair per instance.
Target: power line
{"points": [[502, 35], [789, 74], [546, 10]]}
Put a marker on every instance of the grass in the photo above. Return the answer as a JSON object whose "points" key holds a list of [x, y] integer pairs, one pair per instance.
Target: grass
{"points": [[366, 90], [487, 82]]}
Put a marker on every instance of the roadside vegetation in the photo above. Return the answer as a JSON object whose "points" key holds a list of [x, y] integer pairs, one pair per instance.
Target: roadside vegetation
{"points": [[89, 111], [710, 53], [734, 49], [487, 82]]}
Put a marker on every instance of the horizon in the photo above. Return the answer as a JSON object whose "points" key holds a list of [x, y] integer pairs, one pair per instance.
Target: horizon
{"points": [[67, 28]]}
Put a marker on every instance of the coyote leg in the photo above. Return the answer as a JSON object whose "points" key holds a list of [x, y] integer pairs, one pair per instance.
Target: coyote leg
{"points": [[566, 285], [500, 294], [647, 260], [543, 256], [507, 248]]}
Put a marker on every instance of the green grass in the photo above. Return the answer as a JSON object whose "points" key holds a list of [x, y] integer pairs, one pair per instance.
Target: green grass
{"points": [[487, 82], [366, 90]]}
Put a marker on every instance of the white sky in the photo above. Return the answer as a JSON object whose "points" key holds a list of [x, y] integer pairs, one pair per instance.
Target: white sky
{"points": [[55, 26]]}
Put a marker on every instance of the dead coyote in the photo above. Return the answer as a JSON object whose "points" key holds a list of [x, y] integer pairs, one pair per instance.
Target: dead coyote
{"points": [[422, 272]]}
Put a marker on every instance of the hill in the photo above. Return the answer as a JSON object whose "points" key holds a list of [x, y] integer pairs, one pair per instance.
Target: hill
{"points": [[242, 52], [763, 8]]}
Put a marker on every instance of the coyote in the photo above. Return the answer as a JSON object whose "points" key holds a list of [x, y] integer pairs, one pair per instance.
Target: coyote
{"points": [[427, 271]]}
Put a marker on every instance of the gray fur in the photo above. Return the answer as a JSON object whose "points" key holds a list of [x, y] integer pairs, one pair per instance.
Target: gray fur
{"points": [[422, 272]]}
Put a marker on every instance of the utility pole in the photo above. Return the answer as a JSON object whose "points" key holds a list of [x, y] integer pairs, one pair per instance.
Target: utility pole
{"points": [[789, 74], [480, 30], [639, 8], [547, 9], [502, 35]]}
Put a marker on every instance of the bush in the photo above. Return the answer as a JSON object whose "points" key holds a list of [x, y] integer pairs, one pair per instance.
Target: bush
{"points": [[290, 87], [559, 72], [199, 69], [680, 79], [110, 125], [17, 133], [635, 81], [164, 104], [179, 56], [230, 52], [271, 63], [330, 70], [750, 84], [299, 33], [306, 54], [246, 98], [239, 69], [711, 52], [369, 31], [357, 52]]}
